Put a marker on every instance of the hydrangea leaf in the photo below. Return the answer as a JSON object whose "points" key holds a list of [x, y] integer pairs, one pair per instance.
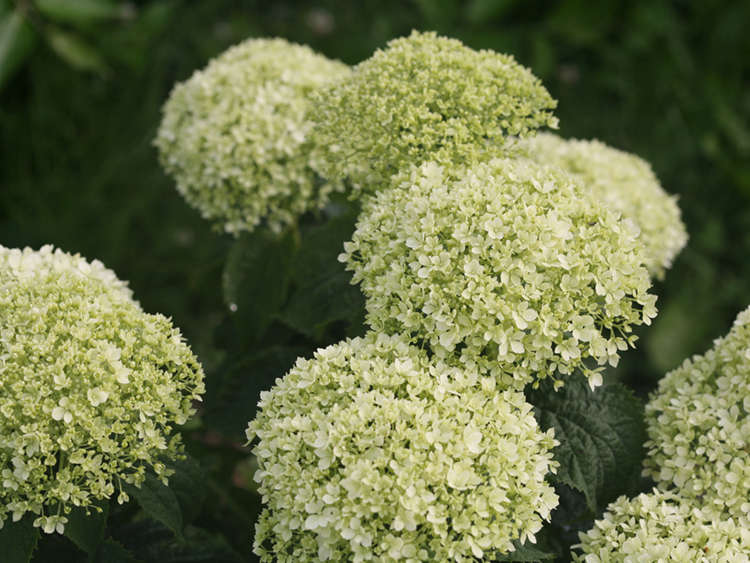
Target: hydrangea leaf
{"points": [[177, 504], [159, 502], [230, 402], [188, 484], [18, 540], [601, 435], [113, 552], [525, 552], [323, 293], [87, 530], [256, 279], [151, 541]]}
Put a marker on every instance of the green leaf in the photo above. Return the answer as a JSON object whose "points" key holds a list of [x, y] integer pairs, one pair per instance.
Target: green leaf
{"points": [[87, 530], [189, 486], [151, 542], [256, 278], [74, 50], [601, 435], [525, 552], [159, 502], [18, 540], [113, 552], [80, 12], [234, 400], [323, 292], [17, 38]]}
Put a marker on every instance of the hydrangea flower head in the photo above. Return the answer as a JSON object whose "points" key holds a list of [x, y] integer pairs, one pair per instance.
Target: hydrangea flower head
{"points": [[371, 451], [626, 184], [505, 263], [698, 424], [91, 387], [659, 527], [421, 98], [235, 136]]}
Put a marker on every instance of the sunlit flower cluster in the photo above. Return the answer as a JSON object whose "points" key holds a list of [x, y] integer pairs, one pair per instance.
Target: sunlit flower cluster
{"points": [[425, 97], [507, 264], [699, 425], [372, 451], [235, 136], [91, 387], [626, 184], [660, 527]]}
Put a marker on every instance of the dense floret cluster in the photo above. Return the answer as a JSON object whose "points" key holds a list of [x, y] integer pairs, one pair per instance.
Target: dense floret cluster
{"points": [[660, 527], [626, 184], [91, 387], [425, 97], [372, 451], [699, 425], [235, 136], [507, 264]]}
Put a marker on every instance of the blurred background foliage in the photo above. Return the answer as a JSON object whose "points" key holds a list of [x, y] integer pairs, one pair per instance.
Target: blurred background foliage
{"points": [[82, 83]]}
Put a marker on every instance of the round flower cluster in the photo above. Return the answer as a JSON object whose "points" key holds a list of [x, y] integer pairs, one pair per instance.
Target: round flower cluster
{"points": [[235, 136], [660, 527], [505, 263], [626, 184], [699, 425], [372, 451], [91, 387], [425, 97]]}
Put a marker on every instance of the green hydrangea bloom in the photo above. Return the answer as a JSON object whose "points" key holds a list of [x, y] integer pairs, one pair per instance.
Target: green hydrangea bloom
{"points": [[625, 183], [91, 387], [372, 452], [507, 264], [235, 136], [425, 97], [698, 424], [659, 527]]}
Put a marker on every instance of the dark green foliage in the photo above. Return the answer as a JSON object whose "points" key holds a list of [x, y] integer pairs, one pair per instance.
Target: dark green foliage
{"points": [[18, 540], [256, 278], [87, 530], [232, 399], [526, 552], [323, 293], [177, 504], [601, 435], [151, 542]]}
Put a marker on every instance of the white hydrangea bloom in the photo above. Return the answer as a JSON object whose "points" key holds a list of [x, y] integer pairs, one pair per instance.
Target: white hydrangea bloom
{"points": [[371, 451], [507, 264], [425, 97], [235, 136], [662, 527], [699, 425], [91, 387], [626, 184]]}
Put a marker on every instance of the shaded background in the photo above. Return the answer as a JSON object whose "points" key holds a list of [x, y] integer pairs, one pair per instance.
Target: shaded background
{"points": [[668, 81]]}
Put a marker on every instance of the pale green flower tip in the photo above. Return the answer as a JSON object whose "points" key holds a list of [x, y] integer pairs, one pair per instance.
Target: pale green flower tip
{"points": [[663, 526], [236, 135], [626, 184], [372, 450], [425, 97], [698, 425], [506, 265], [83, 371]]}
